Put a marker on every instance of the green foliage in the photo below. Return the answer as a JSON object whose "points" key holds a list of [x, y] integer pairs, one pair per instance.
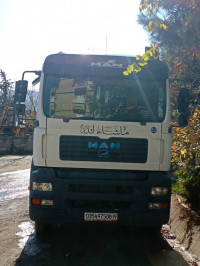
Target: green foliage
{"points": [[174, 26], [141, 61], [5, 87], [186, 159], [188, 185]]}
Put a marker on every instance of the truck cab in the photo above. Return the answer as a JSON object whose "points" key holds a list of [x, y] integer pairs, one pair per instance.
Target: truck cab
{"points": [[102, 145]]}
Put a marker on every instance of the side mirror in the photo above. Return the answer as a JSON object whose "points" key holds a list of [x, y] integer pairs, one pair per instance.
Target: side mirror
{"points": [[21, 90], [183, 101], [183, 107], [36, 81], [182, 120], [19, 109]]}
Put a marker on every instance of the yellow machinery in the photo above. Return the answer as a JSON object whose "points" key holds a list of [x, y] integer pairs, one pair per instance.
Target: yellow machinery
{"points": [[7, 127], [6, 120]]}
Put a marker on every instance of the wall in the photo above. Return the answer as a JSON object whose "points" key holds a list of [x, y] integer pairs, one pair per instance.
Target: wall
{"points": [[16, 145]]}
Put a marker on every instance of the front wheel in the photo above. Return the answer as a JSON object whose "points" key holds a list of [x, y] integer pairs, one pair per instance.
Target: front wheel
{"points": [[42, 228]]}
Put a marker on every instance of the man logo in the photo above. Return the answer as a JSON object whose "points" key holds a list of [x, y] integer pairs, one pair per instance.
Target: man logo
{"points": [[103, 153], [103, 145]]}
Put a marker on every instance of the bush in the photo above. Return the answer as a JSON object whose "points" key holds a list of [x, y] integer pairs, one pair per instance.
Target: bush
{"points": [[186, 160]]}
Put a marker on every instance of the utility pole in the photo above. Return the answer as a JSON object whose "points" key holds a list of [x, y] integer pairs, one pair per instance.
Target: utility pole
{"points": [[106, 44]]}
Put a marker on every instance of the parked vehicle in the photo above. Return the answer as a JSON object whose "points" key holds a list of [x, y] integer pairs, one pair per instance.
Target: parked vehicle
{"points": [[102, 143]]}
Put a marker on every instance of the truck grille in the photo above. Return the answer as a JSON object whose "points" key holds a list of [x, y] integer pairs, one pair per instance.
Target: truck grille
{"points": [[100, 189], [100, 204], [79, 148]]}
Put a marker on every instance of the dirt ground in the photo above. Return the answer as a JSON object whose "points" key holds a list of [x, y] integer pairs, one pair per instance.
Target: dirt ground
{"points": [[182, 232], [10, 163], [12, 212]]}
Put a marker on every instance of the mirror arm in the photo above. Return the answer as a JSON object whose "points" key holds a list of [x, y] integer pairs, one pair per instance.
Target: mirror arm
{"points": [[36, 72]]}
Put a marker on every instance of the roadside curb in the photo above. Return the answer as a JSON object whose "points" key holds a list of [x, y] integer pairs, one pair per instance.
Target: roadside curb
{"points": [[185, 226]]}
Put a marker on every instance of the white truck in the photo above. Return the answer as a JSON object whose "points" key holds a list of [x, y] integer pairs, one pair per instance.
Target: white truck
{"points": [[102, 145]]}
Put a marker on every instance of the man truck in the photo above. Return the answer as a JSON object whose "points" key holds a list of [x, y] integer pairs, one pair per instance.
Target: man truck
{"points": [[102, 143]]}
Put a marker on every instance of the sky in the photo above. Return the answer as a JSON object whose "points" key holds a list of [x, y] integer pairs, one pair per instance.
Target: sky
{"points": [[32, 29]]}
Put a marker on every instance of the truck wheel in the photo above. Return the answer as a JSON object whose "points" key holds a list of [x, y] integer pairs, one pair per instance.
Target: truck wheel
{"points": [[41, 228], [154, 230]]}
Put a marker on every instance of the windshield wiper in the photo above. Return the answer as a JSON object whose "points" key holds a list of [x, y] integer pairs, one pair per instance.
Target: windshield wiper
{"points": [[79, 118]]}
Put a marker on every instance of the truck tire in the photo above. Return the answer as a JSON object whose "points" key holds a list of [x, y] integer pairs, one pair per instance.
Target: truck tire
{"points": [[42, 228], [154, 230]]}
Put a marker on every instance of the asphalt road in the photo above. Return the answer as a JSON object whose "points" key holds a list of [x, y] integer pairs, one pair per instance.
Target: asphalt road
{"points": [[73, 245]]}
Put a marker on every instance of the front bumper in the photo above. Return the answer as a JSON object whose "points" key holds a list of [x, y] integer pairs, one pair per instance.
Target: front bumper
{"points": [[77, 192]]}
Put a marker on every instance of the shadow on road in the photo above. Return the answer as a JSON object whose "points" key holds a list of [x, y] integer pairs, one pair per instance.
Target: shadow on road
{"points": [[98, 245]]}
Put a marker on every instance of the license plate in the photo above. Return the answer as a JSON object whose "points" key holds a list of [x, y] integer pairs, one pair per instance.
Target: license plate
{"points": [[100, 217]]}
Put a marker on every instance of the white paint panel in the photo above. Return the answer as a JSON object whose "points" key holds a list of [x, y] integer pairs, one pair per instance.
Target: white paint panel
{"points": [[57, 128]]}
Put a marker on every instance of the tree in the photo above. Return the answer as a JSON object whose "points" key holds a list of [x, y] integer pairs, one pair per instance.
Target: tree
{"points": [[174, 26], [31, 103], [5, 89]]}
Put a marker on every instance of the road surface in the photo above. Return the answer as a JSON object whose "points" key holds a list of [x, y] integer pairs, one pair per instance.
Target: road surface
{"points": [[73, 245]]}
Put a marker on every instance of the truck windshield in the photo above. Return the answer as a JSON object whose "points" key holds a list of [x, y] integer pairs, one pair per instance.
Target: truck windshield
{"points": [[112, 99]]}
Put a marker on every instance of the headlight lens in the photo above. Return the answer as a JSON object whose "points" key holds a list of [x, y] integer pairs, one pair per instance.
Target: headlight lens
{"points": [[154, 205], [160, 191], [42, 186]]}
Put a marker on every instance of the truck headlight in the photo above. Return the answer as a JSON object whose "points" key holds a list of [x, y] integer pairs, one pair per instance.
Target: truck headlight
{"points": [[42, 186], [159, 191]]}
